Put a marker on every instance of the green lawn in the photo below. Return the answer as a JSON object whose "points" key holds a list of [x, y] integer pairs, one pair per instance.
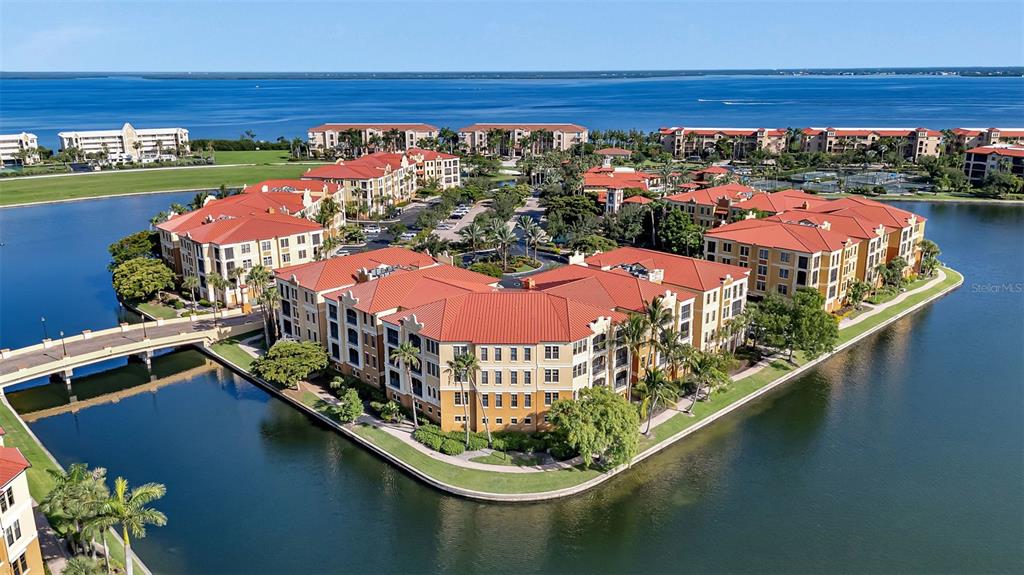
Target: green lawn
{"points": [[952, 277], [20, 191], [158, 310], [229, 350], [500, 458], [252, 157]]}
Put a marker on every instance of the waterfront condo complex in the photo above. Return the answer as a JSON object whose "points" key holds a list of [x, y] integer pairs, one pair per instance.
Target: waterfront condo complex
{"points": [[984, 160], [685, 142], [911, 143], [128, 143], [18, 149], [369, 136], [513, 139]]}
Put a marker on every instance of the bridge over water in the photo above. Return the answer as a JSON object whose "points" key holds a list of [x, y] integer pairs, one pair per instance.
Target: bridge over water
{"points": [[62, 356]]}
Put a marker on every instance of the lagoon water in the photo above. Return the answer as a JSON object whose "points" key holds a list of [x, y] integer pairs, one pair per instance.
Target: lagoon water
{"points": [[903, 453], [288, 107]]}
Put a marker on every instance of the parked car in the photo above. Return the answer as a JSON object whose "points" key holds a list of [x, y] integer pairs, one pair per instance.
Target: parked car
{"points": [[407, 236], [371, 230]]}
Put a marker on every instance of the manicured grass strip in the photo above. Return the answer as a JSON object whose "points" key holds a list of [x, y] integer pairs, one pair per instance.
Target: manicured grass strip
{"points": [[39, 481], [229, 350], [158, 310], [251, 157], [846, 334], [478, 480], [499, 458], [21, 191]]}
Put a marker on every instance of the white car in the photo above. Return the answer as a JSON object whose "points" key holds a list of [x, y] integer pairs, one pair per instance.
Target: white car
{"points": [[407, 236], [372, 230]]}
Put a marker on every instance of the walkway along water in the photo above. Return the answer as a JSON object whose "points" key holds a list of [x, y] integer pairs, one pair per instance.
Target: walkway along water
{"points": [[885, 314]]}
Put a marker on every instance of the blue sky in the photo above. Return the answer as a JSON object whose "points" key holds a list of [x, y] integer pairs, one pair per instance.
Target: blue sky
{"points": [[146, 35]]}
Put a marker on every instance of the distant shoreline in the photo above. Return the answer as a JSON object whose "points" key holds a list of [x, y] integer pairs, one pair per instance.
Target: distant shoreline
{"points": [[962, 71]]}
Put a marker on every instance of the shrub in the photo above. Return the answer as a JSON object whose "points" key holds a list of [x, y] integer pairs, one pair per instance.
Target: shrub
{"points": [[178, 304], [389, 411], [477, 441], [487, 268], [452, 447], [205, 303]]}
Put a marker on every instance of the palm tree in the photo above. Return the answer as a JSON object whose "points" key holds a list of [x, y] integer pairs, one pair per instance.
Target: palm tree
{"points": [[270, 298], [83, 566], [235, 275], [217, 283], [409, 356], [472, 365], [191, 283], [503, 239], [129, 511], [707, 370], [535, 235], [657, 390], [675, 350], [473, 234], [77, 497], [657, 315], [457, 368], [634, 334]]}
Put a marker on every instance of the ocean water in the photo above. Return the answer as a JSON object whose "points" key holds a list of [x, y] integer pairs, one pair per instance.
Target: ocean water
{"points": [[288, 107]]}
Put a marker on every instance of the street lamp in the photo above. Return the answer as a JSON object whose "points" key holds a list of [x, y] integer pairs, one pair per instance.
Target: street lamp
{"points": [[64, 347], [144, 335], [43, 320]]}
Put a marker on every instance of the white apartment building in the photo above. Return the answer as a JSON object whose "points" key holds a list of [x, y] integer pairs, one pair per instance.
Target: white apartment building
{"points": [[128, 143], [19, 149]]}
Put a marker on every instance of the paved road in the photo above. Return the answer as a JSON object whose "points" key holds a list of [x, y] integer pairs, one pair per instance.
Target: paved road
{"points": [[97, 343]]}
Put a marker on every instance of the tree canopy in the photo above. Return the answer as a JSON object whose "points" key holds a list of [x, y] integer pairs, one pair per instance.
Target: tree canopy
{"points": [[140, 278], [142, 244], [287, 362], [599, 423], [800, 323]]}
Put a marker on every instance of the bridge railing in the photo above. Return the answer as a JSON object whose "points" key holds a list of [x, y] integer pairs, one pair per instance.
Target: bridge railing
{"points": [[123, 328]]}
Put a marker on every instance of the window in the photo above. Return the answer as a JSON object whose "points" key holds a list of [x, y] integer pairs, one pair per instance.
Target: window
{"points": [[268, 261], [550, 397], [550, 376], [265, 245], [579, 369], [246, 248], [514, 397], [727, 247], [484, 400], [513, 377], [483, 354], [285, 258], [300, 240], [762, 270], [759, 285], [433, 369], [785, 257], [353, 357], [19, 565], [497, 378], [783, 273], [316, 239], [302, 254], [513, 354], [283, 242], [762, 254], [527, 376], [801, 262], [7, 499], [527, 401], [13, 532], [711, 248], [783, 289], [483, 378], [458, 350], [351, 317], [550, 352], [498, 420], [744, 251], [432, 346], [497, 354], [579, 347], [498, 399]]}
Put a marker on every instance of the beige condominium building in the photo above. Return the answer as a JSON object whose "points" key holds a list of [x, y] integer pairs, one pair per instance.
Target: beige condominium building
{"points": [[374, 182], [685, 142], [373, 136], [439, 168], [975, 137], [913, 143], [787, 256], [533, 349], [303, 287], [515, 138], [19, 149], [296, 198], [711, 207], [128, 143], [272, 240], [21, 553], [981, 161], [719, 289], [903, 230]]}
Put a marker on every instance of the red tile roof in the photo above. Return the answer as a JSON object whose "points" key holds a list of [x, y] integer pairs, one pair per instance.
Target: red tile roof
{"points": [[613, 152], [617, 180], [483, 127], [406, 289], [637, 200], [1008, 151], [710, 196], [780, 235], [12, 464], [724, 131], [781, 201], [250, 228], [370, 166], [383, 127], [851, 225], [292, 186], [338, 272], [682, 271], [600, 288], [869, 210], [506, 317], [429, 155], [236, 206]]}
